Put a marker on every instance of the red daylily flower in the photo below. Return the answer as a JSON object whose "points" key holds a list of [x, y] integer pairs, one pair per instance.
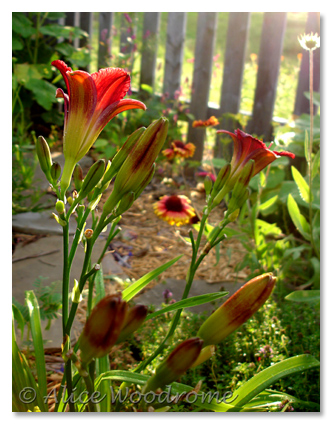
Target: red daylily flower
{"points": [[92, 100], [246, 148]]}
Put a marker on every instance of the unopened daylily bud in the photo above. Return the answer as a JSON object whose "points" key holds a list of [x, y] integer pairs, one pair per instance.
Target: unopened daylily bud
{"points": [[205, 354], [134, 318], [59, 220], [176, 364], [138, 163], [145, 182], [78, 177], [76, 294], [208, 183], [70, 200], [93, 176], [237, 309], [44, 157], [122, 154], [233, 216], [220, 181], [125, 203], [243, 179], [55, 171], [60, 207], [102, 327]]}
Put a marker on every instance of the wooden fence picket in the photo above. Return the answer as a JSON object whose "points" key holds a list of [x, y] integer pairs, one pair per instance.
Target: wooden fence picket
{"points": [[105, 21], [234, 61], [151, 25], [268, 72], [203, 62], [271, 44], [174, 52]]}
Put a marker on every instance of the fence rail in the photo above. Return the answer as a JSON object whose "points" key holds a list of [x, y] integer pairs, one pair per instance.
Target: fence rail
{"points": [[272, 38]]}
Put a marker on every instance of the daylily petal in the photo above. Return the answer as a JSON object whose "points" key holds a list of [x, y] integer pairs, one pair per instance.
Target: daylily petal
{"points": [[112, 84], [63, 68]]}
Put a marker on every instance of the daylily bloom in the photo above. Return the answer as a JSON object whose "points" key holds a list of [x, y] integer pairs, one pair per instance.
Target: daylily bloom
{"points": [[247, 148], [211, 122], [174, 209], [92, 100]]}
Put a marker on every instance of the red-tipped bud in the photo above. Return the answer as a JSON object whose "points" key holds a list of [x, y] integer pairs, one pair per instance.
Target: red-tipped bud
{"points": [[102, 328], [78, 177], [55, 171], [176, 364], [137, 166], [134, 318], [237, 309]]}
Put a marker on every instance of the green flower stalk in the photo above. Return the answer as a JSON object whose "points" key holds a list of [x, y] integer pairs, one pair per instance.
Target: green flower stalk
{"points": [[137, 167], [102, 328], [237, 309], [176, 364]]}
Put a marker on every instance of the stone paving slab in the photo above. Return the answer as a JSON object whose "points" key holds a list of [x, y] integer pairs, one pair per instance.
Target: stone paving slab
{"points": [[26, 271]]}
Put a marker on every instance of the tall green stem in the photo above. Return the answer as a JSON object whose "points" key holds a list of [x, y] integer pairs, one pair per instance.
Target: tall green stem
{"points": [[65, 279]]}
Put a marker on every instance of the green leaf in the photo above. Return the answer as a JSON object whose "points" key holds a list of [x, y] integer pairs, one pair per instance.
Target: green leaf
{"points": [[309, 296], [136, 287], [265, 205], [302, 185], [44, 92], [99, 285], [37, 339], [16, 43], [269, 376], [22, 25], [189, 302], [18, 316], [298, 219], [147, 88]]}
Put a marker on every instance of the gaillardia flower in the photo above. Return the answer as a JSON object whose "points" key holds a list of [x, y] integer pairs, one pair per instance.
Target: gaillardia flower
{"points": [[92, 100], [174, 209], [179, 150], [247, 148]]}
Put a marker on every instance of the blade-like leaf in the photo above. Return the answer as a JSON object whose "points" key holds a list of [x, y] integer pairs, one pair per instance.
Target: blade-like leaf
{"points": [[189, 302], [37, 338], [304, 296], [136, 287], [298, 219], [265, 205], [302, 185], [270, 375]]}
